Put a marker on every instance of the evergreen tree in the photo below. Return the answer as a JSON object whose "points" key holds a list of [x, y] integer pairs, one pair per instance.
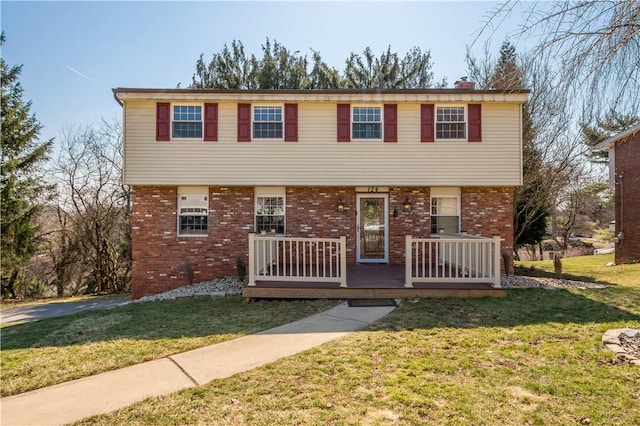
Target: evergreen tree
{"points": [[322, 76], [22, 185], [612, 124], [279, 68], [368, 71]]}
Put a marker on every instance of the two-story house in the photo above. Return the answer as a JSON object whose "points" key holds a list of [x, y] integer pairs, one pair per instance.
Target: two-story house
{"points": [[624, 177], [299, 187]]}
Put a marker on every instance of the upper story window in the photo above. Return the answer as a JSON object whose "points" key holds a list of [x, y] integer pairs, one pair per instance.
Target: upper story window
{"points": [[451, 123], [366, 123], [267, 122], [187, 121], [193, 211]]}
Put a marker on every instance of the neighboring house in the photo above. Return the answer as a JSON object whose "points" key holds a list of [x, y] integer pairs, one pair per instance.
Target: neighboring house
{"points": [[341, 175], [624, 177]]}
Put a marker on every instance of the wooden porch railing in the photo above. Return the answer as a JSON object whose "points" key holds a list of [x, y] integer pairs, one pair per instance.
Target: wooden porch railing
{"points": [[452, 259], [277, 258]]}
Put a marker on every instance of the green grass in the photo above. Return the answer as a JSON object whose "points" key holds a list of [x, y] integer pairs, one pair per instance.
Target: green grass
{"points": [[55, 350], [532, 358], [587, 268], [10, 304]]}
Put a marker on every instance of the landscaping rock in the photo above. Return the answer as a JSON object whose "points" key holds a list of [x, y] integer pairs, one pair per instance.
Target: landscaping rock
{"points": [[625, 343], [230, 286], [522, 281]]}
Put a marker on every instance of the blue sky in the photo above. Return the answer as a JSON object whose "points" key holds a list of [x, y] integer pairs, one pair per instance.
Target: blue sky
{"points": [[74, 53]]}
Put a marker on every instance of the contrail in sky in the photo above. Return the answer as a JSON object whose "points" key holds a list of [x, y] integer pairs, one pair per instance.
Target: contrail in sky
{"points": [[81, 75]]}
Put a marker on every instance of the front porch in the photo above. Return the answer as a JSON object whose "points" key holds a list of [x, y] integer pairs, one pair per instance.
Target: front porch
{"points": [[306, 268]]}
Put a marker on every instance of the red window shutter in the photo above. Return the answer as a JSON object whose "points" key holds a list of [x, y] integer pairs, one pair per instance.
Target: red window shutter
{"points": [[391, 123], [291, 122], [244, 122], [474, 116], [163, 121], [427, 123], [210, 122], [344, 122]]}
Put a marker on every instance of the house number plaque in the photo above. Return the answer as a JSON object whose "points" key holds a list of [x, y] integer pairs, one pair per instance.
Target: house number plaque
{"points": [[372, 189]]}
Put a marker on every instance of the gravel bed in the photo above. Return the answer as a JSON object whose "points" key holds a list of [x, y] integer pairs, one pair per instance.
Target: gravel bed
{"points": [[521, 281], [232, 286]]}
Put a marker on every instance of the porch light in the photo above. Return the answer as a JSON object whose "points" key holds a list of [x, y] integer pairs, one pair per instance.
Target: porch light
{"points": [[340, 206], [406, 205]]}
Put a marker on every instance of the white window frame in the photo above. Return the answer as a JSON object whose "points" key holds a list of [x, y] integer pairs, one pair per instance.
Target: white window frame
{"points": [[465, 109], [352, 122], [173, 121], [445, 192], [253, 122], [270, 192], [196, 198]]}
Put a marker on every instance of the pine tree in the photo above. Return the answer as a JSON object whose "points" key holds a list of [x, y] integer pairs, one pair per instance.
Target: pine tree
{"points": [[22, 185], [612, 124]]}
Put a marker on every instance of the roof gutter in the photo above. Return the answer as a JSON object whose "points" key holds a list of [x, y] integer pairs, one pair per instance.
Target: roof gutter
{"points": [[115, 96]]}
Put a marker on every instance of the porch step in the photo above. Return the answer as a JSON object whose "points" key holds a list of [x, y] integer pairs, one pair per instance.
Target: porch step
{"points": [[369, 293]]}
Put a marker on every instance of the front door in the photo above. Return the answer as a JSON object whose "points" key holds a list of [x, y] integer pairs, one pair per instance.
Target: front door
{"points": [[372, 233]]}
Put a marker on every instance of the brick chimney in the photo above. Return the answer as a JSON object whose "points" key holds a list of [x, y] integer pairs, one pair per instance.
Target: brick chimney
{"points": [[464, 84]]}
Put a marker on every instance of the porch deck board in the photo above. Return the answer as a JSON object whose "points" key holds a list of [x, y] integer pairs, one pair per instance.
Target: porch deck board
{"points": [[370, 281]]}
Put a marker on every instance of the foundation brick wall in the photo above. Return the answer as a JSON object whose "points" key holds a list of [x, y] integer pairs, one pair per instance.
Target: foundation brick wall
{"points": [[488, 211], [161, 258], [627, 198]]}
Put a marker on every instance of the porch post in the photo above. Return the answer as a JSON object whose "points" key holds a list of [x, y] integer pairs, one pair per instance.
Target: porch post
{"points": [[343, 261], [496, 261], [407, 260], [252, 260]]}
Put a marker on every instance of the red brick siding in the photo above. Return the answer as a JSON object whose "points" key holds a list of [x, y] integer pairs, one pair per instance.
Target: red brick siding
{"points": [[627, 164], [488, 212], [311, 212], [416, 223], [160, 255]]}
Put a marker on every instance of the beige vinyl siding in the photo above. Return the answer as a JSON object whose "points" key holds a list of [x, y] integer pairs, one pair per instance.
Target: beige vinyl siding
{"points": [[318, 159]]}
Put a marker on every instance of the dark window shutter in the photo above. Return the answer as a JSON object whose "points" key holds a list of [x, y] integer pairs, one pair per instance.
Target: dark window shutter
{"points": [[210, 122], [244, 122], [291, 122], [344, 122], [391, 123], [163, 121], [474, 115], [427, 125]]}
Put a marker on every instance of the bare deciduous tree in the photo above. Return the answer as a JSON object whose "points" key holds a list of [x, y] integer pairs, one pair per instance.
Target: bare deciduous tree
{"points": [[93, 215], [593, 46], [552, 150]]}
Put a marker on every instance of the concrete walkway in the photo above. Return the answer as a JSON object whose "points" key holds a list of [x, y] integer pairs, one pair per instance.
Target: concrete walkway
{"points": [[69, 402]]}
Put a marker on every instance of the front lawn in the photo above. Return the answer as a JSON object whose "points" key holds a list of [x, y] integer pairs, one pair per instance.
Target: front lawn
{"points": [[532, 358], [50, 351], [587, 268]]}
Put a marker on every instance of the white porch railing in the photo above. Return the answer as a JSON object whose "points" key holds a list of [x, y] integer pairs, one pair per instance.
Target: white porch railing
{"points": [[452, 259], [276, 258]]}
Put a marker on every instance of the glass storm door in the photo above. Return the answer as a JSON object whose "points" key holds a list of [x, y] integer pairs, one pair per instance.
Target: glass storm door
{"points": [[372, 232]]}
